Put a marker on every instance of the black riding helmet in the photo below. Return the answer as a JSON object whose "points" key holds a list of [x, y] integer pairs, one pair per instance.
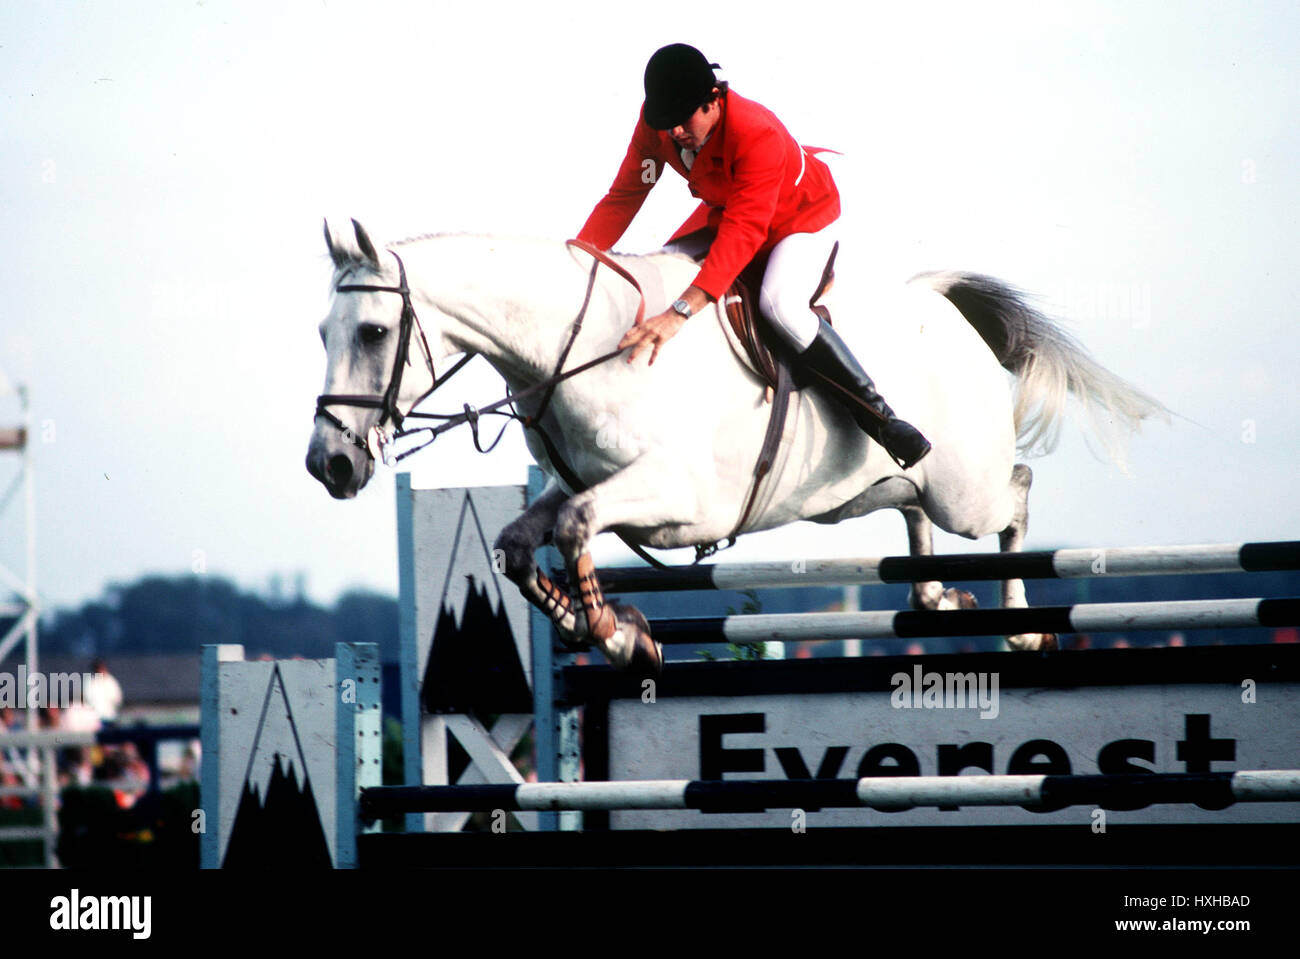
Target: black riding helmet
{"points": [[678, 81]]}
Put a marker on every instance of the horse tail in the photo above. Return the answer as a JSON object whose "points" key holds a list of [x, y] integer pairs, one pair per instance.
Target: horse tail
{"points": [[1048, 363]]}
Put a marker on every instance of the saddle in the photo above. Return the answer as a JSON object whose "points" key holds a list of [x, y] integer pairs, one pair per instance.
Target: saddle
{"points": [[755, 336]]}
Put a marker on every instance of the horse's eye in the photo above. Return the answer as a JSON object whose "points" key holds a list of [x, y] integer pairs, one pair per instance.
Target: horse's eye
{"points": [[372, 333]]}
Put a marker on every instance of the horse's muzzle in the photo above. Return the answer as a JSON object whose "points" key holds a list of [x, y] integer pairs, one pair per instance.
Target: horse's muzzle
{"points": [[337, 470]]}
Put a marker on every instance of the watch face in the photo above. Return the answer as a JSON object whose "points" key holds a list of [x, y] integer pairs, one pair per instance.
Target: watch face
{"points": [[682, 307]]}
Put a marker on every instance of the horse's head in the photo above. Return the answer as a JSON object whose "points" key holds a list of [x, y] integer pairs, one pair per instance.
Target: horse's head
{"points": [[371, 382]]}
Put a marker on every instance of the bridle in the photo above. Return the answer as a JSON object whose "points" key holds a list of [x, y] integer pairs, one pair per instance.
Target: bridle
{"points": [[409, 322], [387, 403]]}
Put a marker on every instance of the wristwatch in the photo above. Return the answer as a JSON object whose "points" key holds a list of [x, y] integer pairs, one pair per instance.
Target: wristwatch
{"points": [[682, 307]]}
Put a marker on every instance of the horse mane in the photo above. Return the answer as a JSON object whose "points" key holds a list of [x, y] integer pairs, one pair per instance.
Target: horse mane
{"points": [[421, 237], [349, 259], [352, 260]]}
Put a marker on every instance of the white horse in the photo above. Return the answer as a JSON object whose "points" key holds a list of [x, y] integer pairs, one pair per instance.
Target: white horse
{"points": [[666, 452]]}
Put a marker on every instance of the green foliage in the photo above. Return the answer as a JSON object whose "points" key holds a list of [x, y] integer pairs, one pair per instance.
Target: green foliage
{"points": [[393, 751], [745, 652], [394, 774]]}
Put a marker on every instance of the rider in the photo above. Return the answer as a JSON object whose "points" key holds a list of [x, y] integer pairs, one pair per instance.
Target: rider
{"points": [[762, 192]]}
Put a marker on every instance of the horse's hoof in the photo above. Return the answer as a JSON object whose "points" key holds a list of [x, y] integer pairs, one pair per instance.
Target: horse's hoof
{"points": [[1033, 642], [646, 658], [573, 644], [954, 598]]}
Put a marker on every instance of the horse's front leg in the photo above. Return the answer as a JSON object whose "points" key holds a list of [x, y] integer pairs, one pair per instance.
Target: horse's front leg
{"points": [[518, 544], [647, 494]]}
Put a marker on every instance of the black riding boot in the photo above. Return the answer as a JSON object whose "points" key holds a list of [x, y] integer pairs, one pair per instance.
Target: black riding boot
{"points": [[830, 357]]}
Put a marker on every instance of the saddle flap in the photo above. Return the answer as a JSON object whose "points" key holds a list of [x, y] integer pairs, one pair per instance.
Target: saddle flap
{"points": [[743, 318], [740, 314]]}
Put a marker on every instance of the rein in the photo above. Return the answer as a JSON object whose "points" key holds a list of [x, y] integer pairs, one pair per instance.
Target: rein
{"points": [[470, 415]]}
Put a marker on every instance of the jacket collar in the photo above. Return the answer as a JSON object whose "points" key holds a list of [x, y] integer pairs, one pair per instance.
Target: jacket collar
{"points": [[712, 147]]}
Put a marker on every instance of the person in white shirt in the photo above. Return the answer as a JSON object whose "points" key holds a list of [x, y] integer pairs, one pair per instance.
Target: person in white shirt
{"points": [[103, 694]]}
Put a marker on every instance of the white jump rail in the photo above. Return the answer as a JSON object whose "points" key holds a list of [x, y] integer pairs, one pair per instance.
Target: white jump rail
{"points": [[1046, 564]]}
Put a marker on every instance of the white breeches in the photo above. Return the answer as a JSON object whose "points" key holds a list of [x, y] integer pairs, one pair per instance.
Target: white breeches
{"points": [[794, 269]]}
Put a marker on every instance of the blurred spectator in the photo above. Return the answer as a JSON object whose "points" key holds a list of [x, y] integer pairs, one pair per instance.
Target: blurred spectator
{"points": [[8, 778], [80, 717], [126, 774], [78, 766], [189, 770], [103, 695], [8, 772]]}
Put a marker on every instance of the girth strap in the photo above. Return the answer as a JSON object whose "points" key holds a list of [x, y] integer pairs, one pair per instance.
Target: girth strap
{"points": [[771, 441]]}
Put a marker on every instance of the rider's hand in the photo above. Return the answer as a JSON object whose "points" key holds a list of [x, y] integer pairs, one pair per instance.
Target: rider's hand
{"points": [[654, 332], [658, 330]]}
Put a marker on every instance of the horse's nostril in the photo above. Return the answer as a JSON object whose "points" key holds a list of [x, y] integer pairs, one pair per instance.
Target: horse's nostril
{"points": [[339, 469]]}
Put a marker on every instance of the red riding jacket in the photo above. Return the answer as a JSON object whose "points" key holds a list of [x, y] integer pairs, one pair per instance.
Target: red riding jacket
{"points": [[758, 186]]}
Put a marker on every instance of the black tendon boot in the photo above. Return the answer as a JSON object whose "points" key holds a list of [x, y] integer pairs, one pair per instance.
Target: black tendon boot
{"points": [[832, 359]]}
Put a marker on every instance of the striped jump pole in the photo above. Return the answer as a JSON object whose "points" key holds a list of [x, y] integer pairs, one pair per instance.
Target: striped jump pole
{"points": [[910, 624], [1046, 564], [884, 793]]}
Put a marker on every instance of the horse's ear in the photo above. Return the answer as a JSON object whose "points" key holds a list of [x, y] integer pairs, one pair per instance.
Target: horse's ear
{"points": [[336, 254], [367, 248]]}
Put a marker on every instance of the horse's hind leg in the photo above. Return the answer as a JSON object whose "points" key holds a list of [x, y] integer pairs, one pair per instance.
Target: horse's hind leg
{"points": [[900, 493], [929, 594], [1010, 540]]}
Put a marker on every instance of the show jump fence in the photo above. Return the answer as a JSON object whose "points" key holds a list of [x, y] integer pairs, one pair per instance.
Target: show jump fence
{"points": [[1160, 736]]}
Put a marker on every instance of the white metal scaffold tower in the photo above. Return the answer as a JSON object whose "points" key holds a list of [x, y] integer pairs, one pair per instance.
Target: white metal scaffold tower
{"points": [[19, 605]]}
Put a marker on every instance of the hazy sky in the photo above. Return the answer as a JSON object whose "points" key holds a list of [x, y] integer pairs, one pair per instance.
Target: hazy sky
{"points": [[164, 169]]}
